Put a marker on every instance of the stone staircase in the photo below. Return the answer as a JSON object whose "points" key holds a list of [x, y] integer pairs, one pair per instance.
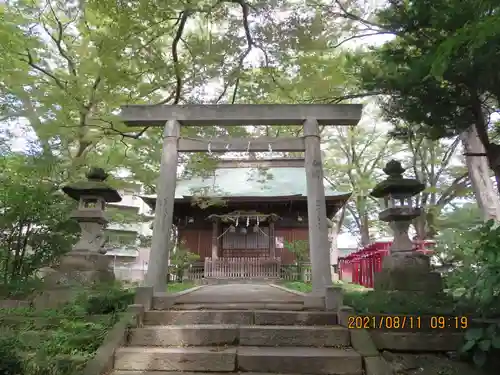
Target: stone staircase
{"points": [[210, 339]]}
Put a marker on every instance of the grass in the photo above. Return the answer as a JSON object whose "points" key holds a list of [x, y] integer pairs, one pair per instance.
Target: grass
{"points": [[307, 287], [298, 286], [61, 340], [179, 287]]}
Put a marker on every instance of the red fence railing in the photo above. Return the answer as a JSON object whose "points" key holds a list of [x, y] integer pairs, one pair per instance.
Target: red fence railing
{"points": [[360, 267]]}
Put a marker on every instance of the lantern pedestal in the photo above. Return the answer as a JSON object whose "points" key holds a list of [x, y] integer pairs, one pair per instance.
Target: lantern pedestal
{"points": [[82, 268], [408, 272], [76, 270], [92, 223]]}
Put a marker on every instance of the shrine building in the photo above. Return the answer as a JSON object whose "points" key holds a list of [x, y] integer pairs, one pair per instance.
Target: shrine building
{"points": [[246, 209]]}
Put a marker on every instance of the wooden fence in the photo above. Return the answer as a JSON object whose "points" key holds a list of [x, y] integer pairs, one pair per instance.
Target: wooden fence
{"points": [[242, 268], [296, 272], [227, 267], [193, 273]]}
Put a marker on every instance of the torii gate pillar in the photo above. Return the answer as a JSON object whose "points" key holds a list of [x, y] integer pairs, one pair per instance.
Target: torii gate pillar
{"points": [[161, 243], [316, 210]]}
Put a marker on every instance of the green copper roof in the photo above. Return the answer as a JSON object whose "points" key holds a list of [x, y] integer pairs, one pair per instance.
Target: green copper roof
{"points": [[250, 182]]}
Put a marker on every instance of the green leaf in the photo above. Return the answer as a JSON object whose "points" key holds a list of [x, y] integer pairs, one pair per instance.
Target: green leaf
{"points": [[474, 334], [468, 346], [495, 342], [479, 358], [484, 345], [490, 331]]}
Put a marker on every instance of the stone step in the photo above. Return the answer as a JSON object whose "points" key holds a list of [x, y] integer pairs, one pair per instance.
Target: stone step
{"points": [[241, 317], [204, 359], [120, 372], [299, 360], [164, 302], [247, 335], [289, 360], [191, 298], [185, 335], [198, 317], [240, 306], [335, 336], [300, 318]]}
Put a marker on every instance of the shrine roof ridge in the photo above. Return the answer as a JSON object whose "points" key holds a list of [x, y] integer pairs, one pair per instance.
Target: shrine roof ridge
{"points": [[251, 184]]}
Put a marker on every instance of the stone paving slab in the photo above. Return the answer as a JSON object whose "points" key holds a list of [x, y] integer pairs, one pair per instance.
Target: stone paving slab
{"points": [[119, 372], [294, 336], [300, 318], [239, 293], [321, 361], [185, 335], [239, 306], [181, 317], [206, 359]]}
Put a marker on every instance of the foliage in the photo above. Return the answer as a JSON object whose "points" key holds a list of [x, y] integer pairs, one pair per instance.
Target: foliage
{"points": [[70, 334], [179, 287], [353, 163], [466, 89], [299, 248], [480, 255], [11, 362], [106, 300], [181, 259], [437, 164], [299, 286], [480, 342], [449, 253], [145, 241], [66, 69], [35, 226]]}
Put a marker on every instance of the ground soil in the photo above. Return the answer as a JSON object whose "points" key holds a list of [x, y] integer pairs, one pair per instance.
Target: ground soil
{"points": [[431, 364]]}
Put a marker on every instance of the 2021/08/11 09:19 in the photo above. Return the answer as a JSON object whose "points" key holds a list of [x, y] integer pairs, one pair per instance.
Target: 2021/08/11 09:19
{"points": [[388, 322]]}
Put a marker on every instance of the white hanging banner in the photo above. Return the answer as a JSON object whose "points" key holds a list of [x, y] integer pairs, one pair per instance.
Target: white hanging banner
{"points": [[279, 242]]}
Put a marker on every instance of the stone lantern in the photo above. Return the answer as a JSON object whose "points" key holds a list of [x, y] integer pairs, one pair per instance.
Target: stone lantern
{"points": [[86, 261], [404, 268]]}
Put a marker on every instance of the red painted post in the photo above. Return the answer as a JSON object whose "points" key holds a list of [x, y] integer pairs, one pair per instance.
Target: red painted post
{"points": [[355, 269], [362, 265]]}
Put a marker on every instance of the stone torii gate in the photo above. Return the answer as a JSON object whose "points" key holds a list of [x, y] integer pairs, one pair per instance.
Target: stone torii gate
{"points": [[172, 117]]}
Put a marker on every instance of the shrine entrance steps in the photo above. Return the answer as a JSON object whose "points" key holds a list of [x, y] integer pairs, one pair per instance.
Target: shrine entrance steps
{"points": [[234, 339]]}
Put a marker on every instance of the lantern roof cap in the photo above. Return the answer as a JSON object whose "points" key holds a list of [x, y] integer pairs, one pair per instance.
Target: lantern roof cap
{"points": [[93, 186], [395, 183]]}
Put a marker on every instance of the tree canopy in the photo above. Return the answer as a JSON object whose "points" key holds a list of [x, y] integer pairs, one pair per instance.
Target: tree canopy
{"points": [[440, 72]]}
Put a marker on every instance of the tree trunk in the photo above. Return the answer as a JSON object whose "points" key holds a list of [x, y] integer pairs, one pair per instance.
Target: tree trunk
{"points": [[364, 229], [336, 226], [479, 173]]}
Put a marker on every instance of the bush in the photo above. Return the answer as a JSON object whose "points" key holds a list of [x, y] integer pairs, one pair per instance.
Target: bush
{"points": [[479, 272], [109, 303], [104, 299], [181, 260], [10, 361], [67, 340]]}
